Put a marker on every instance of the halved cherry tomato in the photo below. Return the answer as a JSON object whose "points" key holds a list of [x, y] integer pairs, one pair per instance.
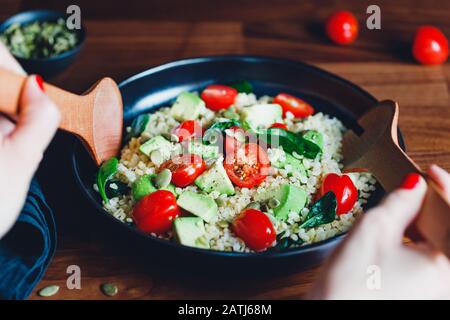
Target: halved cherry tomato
{"points": [[342, 27], [255, 229], [185, 168], [279, 125], [430, 45], [298, 107], [218, 96], [188, 129], [344, 190], [234, 142], [155, 212], [247, 167]]}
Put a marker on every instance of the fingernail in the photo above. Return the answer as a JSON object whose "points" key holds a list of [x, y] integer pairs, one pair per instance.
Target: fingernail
{"points": [[411, 181], [40, 82]]}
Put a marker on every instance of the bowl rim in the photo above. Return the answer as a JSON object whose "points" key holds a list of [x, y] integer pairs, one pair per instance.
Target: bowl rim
{"points": [[81, 32], [272, 254]]}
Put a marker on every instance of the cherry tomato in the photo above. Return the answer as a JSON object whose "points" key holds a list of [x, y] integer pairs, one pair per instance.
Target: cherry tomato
{"points": [[155, 212], [279, 125], [247, 167], [218, 96], [255, 229], [185, 168], [188, 129], [298, 107], [430, 45], [342, 27], [232, 143], [344, 190]]}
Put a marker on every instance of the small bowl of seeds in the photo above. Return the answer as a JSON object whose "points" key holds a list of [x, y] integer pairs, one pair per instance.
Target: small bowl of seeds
{"points": [[41, 41]]}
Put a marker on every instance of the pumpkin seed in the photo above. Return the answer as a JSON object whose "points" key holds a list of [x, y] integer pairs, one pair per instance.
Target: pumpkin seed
{"points": [[239, 136], [214, 137], [109, 289], [231, 115], [174, 138], [254, 205], [163, 178], [273, 203], [229, 132], [156, 157], [49, 291]]}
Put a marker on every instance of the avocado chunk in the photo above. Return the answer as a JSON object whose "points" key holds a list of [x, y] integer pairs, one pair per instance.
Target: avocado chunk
{"points": [[261, 116], [190, 231], [142, 186], [187, 106], [198, 204], [206, 151], [157, 143], [170, 188], [215, 179], [291, 199], [290, 164]]}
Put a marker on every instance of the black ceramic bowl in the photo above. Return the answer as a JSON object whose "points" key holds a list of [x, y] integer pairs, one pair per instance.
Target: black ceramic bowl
{"points": [[46, 67], [159, 86]]}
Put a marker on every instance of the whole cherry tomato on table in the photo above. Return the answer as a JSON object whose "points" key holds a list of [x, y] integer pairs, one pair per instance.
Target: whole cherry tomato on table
{"points": [[430, 45], [344, 190], [279, 125], [248, 166], [217, 96], [185, 168], [298, 107], [255, 229], [188, 129], [342, 27], [155, 212]]}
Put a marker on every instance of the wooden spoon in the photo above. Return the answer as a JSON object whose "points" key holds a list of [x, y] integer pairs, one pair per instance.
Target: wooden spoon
{"points": [[95, 117], [377, 151]]}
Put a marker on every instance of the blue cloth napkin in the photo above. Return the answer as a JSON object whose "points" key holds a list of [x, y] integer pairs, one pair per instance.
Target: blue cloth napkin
{"points": [[28, 248]]}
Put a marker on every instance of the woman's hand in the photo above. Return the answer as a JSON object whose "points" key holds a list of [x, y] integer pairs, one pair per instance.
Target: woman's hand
{"points": [[22, 144], [373, 263]]}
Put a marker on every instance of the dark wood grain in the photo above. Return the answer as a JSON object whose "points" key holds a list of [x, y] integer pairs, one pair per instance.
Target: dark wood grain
{"points": [[125, 37]]}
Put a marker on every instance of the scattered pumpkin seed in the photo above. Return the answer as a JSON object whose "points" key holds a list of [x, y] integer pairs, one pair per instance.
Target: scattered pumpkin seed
{"points": [[109, 289], [163, 178], [49, 291]]}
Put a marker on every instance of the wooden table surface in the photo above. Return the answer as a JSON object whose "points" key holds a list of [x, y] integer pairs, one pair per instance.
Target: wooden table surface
{"points": [[126, 37]]}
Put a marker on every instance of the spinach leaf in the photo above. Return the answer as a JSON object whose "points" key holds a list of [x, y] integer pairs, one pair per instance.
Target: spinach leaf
{"points": [[217, 129], [242, 86], [286, 242], [120, 188], [138, 126], [308, 144], [321, 212], [312, 143], [105, 173], [279, 137]]}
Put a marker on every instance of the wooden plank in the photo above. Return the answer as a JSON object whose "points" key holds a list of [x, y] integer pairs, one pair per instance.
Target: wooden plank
{"points": [[423, 96]]}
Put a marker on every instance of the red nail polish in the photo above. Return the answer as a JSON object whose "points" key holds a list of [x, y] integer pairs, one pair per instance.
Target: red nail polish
{"points": [[410, 182], [40, 82]]}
